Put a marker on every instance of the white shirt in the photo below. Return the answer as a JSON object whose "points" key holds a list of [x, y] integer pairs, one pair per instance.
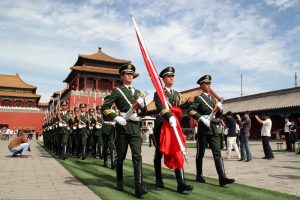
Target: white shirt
{"points": [[226, 131], [237, 128], [266, 128], [287, 127]]}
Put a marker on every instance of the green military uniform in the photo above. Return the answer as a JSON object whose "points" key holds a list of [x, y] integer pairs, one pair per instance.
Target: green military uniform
{"points": [[126, 135], [71, 148], [63, 131], [96, 122], [108, 133], [174, 99], [55, 134], [91, 125], [81, 136], [203, 106]]}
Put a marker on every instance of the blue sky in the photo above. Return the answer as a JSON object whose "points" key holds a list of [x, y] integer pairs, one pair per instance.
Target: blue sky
{"points": [[260, 39]]}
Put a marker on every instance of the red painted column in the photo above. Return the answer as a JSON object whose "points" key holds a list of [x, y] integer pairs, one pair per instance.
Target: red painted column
{"points": [[113, 85], [96, 85], [84, 85], [99, 85], [77, 83]]}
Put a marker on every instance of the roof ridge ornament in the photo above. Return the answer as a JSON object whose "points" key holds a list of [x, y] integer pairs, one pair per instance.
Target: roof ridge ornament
{"points": [[99, 49]]}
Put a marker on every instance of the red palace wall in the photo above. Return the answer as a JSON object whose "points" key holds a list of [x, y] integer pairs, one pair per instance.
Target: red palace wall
{"points": [[22, 120], [74, 101]]}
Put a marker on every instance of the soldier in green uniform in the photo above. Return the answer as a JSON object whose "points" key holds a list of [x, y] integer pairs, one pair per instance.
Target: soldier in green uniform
{"points": [[201, 109], [71, 140], [127, 127], [91, 126], [63, 129], [95, 132], [55, 133], [75, 131], [108, 132], [174, 99], [82, 121]]}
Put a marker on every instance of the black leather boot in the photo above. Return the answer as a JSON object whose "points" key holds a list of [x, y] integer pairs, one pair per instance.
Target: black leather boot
{"points": [[100, 152], [140, 189], [83, 157], [112, 159], [223, 180], [64, 153], [199, 176], [157, 167], [119, 171], [104, 161], [182, 186]]}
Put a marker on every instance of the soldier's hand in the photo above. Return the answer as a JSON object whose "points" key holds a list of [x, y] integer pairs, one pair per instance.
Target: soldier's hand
{"points": [[205, 121], [219, 105], [141, 102], [120, 120], [172, 121]]}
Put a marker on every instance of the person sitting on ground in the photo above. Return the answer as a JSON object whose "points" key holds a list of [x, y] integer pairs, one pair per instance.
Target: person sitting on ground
{"points": [[19, 145]]}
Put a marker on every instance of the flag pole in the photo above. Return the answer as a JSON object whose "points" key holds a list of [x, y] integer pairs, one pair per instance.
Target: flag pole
{"points": [[157, 84]]}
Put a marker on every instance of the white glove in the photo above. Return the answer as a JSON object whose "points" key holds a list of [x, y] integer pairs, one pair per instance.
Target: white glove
{"points": [[172, 121], [219, 104], [205, 121], [141, 102], [120, 120]]}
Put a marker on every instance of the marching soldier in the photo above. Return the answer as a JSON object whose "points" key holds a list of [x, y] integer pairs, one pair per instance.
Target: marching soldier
{"points": [[174, 99], [201, 110], [127, 126], [75, 131], [71, 141], [91, 126], [82, 121], [98, 128], [108, 132], [63, 129]]}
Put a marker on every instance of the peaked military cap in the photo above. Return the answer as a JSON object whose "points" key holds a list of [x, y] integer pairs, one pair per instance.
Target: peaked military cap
{"points": [[82, 105], [167, 71], [205, 78], [127, 68], [91, 110], [98, 107], [75, 108], [63, 103]]}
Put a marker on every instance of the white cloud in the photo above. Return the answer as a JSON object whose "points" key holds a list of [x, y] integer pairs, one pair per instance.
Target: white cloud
{"points": [[195, 36], [282, 4]]}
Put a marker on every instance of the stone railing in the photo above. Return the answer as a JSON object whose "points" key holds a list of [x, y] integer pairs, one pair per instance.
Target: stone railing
{"points": [[20, 109]]}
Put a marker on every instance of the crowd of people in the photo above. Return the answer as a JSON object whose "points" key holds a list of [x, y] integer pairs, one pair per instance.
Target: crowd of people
{"points": [[7, 133], [236, 133]]}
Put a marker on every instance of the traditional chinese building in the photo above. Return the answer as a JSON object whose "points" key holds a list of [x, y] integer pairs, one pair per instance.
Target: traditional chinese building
{"points": [[19, 104], [91, 79], [278, 104]]}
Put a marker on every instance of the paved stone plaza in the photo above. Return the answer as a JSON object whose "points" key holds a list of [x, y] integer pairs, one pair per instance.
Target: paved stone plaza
{"points": [[40, 176]]}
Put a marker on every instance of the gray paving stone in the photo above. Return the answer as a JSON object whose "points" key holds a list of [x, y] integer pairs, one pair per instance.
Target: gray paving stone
{"points": [[38, 177]]}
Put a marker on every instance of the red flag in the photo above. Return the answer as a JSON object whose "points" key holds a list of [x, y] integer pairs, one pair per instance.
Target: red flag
{"points": [[173, 158]]}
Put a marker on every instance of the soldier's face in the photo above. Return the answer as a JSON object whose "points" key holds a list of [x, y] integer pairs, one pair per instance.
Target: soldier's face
{"points": [[168, 80], [205, 87], [64, 108], [127, 78]]}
